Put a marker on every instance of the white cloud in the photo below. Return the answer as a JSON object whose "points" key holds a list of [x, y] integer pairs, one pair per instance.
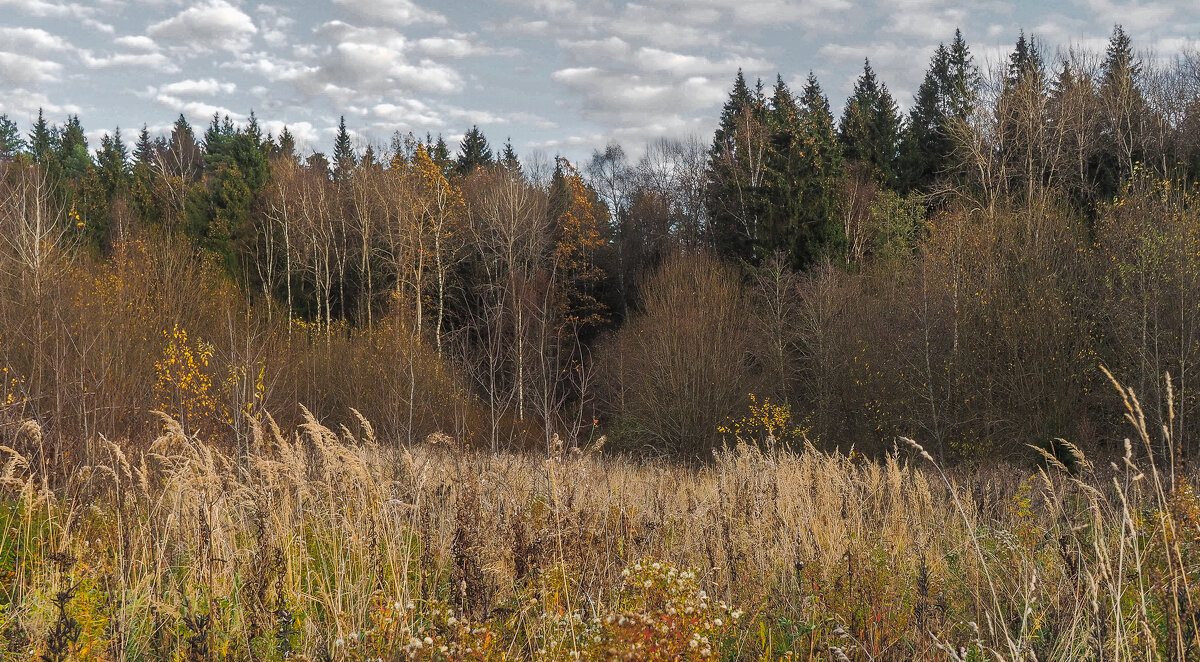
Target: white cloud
{"points": [[308, 137], [32, 39], [215, 24], [395, 12], [150, 61], [624, 99], [679, 64], [17, 70], [196, 111], [137, 43], [196, 88], [21, 102], [457, 47]]}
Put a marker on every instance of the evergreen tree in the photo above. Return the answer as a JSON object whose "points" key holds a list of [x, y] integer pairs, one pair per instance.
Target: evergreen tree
{"points": [[870, 128], [141, 191], [143, 152], [72, 155], [960, 90], [112, 161], [474, 152], [735, 173], [1025, 61], [107, 181], [344, 158], [508, 157], [368, 158], [10, 139], [818, 230], [218, 213], [578, 218], [287, 144], [253, 130], [1021, 113], [184, 156], [1123, 111], [439, 151], [318, 163], [786, 172], [216, 139], [948, 94], [41, 139]]}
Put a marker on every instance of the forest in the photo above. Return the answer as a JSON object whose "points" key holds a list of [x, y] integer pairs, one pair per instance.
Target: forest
{"points": [[238, 379], [958, 275]]}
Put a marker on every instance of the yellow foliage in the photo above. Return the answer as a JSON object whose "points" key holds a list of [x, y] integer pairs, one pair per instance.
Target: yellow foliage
{"points": [[184, 387], [766, 421]]}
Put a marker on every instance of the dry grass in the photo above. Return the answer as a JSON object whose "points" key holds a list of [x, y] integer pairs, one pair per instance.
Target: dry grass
{"points": [[332, 545]]}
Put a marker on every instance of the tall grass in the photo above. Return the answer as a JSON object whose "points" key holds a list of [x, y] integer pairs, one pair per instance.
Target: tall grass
{"points": [[335, 545]]}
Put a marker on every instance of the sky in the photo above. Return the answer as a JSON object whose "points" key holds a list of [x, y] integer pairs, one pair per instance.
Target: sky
{"points": [[554, 76]]}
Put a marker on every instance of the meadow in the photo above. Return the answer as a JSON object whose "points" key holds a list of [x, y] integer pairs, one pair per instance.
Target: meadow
{"points": [[321, 544]]}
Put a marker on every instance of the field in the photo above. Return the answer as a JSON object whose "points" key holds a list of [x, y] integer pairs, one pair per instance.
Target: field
{"points": [[334, 545]]}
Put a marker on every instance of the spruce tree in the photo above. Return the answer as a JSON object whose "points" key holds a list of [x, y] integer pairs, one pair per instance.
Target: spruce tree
{"points": [[143, 152], [142, 177], [72, 158], [735, 174], [786, 166], [344, 158], [960, 90], [474, 152], [112, 161], [819, 233], [869, 131], [508, 157], [1123, 111], [439, 152], [41, 139], [184, 156], [10, 139], [287, 144]]}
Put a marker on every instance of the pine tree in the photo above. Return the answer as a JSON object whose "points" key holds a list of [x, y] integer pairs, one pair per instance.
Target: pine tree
{"points": [[214, 136], [287, 144], [72, 159], [948, 94], [508, 157], [184, 157], [736, 172], [439, 151], [578, 218], [41, 139], [112, 161], [10, 139], [1025, 61], [819, 232], [474, 152], [961, 89], [317, 162], [143, 152], [344, 158], [141, 192], [786, 172], [1021, 113], [870, 128], [1123, 112], [254, 130]]}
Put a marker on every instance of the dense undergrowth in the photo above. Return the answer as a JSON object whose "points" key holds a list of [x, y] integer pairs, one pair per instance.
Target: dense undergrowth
{"points": [[335, 545]]}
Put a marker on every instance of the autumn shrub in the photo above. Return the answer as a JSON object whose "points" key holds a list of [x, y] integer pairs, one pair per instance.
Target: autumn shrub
{"points": [[677, 371]]}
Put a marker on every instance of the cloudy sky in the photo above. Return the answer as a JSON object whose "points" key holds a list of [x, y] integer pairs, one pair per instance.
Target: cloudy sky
{"points": [[560, 76]]}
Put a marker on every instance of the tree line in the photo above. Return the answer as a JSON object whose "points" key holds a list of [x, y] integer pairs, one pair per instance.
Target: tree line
{"points": [[958, 273]]}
